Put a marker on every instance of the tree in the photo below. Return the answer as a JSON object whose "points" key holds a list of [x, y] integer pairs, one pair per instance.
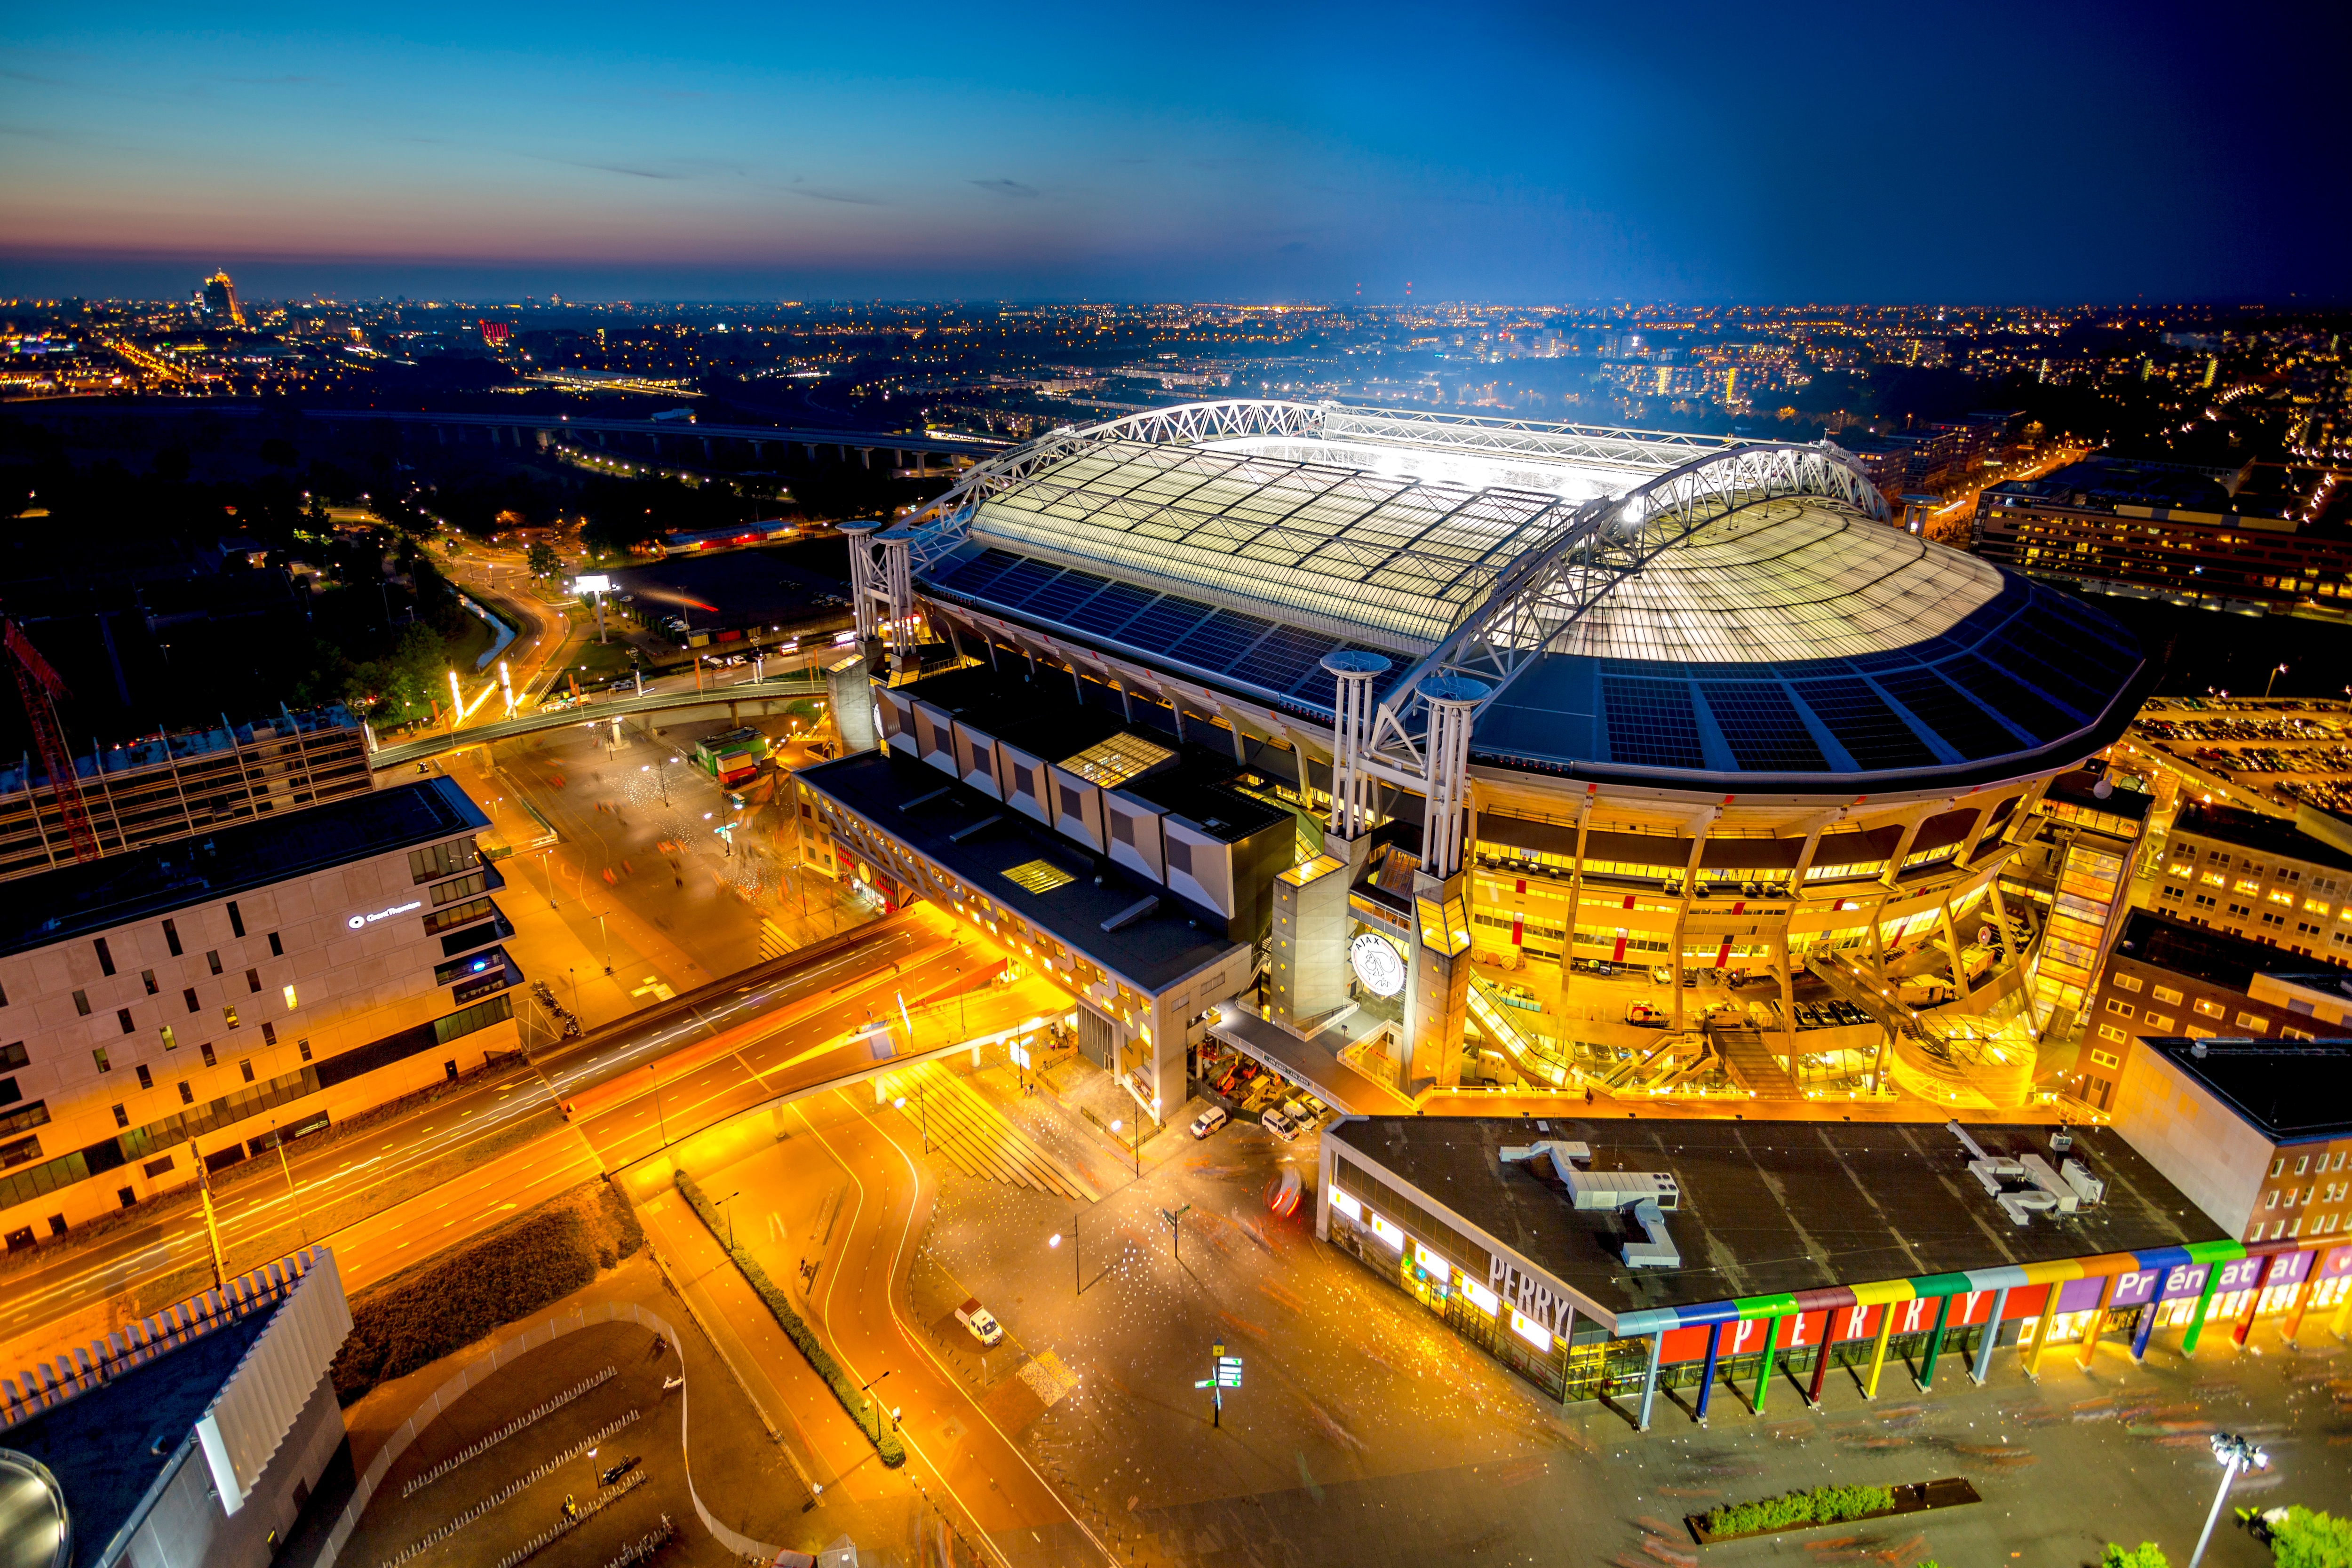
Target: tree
{"points": [[2146, 1555], [544, 562], [2304, 1539]]}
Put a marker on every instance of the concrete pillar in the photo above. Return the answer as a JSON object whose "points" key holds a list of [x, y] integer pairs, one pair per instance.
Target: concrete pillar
{"points": [[1936, 1342], [1650, 1380], [861, 580], [1992, 1331], [1452, 700], [865, 457], [1707, 1383], [1351, 728]]}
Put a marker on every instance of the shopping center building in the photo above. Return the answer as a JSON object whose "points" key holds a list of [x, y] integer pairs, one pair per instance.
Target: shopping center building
{"points": [[201, 997], [1533, 694], [1716, 1259]]}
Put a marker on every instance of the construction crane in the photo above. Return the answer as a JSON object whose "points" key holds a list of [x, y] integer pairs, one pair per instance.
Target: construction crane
{"points": [[40, 687]]}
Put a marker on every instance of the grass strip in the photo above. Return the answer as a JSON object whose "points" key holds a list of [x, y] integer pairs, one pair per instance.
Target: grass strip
{"points": [[867, 1414]]}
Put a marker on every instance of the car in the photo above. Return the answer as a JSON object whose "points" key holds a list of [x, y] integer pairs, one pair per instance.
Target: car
{"points": [[1275, 1122], [1300, 1114], [1209, 1120], [1662, 974], [975, 1317], [1642, 1015]]}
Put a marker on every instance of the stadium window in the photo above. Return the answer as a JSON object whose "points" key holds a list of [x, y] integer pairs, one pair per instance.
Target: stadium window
{"points": [[268, 1033], [290, 1002], [210, 1060], [212, 959], [147, 978], [146, 1078], [189, 993], [81, 1003], [105, 956], [187, 1095], [170, 1040], [253, 980], [172, 937], [277, 948], [122, 1016], [98, 1055], [235, 920], [230, 1013]]}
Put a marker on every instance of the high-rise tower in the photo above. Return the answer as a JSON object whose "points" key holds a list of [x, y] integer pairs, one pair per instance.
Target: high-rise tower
{"points": [[220, 300]]}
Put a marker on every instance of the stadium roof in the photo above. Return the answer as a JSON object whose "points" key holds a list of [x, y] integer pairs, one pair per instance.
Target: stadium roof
{"points": [[1638, 603]]}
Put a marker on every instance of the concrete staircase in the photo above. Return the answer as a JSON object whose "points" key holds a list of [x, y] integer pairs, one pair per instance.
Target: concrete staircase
{"points": [[1751, 1066]]}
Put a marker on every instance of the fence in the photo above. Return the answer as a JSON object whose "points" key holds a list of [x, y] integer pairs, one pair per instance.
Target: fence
{"points": [[479, 1370], [48, 1383]]}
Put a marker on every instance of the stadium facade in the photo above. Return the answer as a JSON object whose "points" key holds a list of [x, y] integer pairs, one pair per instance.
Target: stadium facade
{"points": [[1338, 702]]}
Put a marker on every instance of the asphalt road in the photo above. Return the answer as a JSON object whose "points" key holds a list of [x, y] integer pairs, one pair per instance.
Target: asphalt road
{"points": [[844, 977]]}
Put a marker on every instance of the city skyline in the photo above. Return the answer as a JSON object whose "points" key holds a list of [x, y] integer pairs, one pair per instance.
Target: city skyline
{"points": [[1502, 157]]}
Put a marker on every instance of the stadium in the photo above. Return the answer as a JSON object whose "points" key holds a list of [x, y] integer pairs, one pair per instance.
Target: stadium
{"points": [[1407, 727]]}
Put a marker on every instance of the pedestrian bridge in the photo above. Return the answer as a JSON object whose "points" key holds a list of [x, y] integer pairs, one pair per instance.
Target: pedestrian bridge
{"points": [[750, 700]]}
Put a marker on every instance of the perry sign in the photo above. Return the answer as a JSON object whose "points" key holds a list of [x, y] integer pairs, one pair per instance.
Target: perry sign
{"points": [[356, 921]]}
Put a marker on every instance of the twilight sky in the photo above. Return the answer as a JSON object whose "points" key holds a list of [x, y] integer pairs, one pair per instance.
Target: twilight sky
{"points": [[2005, 151]]}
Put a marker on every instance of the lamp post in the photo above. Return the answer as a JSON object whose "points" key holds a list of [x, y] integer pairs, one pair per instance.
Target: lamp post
{"points": [[2276, 673], [2236, 1454], [730, 1220], [870, 1401], [292, 1190]]}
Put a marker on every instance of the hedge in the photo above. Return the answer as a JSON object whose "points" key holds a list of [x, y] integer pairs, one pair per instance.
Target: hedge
{"points": [[420, 1316], [1821, 1505], [868, 1415]]}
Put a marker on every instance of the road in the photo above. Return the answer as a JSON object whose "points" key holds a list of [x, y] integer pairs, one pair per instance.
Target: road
{"points": [[259, 1218], [956, 1450]]}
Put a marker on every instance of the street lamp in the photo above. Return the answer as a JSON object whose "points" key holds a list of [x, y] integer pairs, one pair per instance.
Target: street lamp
{"points": [[2236, 1454], [731, 1218], [870, 1400], [292, 1190]]}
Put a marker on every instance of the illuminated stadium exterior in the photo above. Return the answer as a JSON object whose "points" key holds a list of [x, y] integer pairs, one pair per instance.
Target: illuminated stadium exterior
{"points": [[1699, 692]]}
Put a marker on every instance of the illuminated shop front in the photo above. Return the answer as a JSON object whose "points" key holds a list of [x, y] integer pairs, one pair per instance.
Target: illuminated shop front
{"points": [[1519, 1234]]}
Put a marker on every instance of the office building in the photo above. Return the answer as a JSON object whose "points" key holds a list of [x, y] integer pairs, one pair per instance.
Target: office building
{"points": [[1618, 1257], [194, 998], [2148, 530], [1536, 693]]}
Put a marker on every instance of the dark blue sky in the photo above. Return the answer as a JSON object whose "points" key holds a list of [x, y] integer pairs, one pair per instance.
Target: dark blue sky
{"points": [[1989, 153]]}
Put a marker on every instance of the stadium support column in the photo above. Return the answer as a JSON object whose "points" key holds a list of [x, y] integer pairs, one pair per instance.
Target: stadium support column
{"points": [[1307, 979], [862, 587], [899, 592], [1437, 993]]}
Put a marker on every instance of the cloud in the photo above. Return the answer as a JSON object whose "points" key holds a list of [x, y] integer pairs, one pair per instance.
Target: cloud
{"points": [[850, 197], [1007, 187]]}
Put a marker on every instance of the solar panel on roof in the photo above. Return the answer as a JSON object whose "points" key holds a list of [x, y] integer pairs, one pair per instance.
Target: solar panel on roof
{"points": [[1021, 580], [1873, 734], [1164, 623], [974, 575], [1945, 709], [1761, 727], [1110, 609], [1651, 723], [2036, 660], [1284, 654], [2017, 703], [1065, 593], [1221, 639]]}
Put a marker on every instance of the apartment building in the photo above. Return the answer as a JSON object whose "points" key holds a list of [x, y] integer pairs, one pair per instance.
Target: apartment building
{"points": [[2261, 878]]}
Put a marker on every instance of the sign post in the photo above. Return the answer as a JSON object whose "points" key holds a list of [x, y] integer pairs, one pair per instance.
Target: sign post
{"points": [[1224, 1372]]}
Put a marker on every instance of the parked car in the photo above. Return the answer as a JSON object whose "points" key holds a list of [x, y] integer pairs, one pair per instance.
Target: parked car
{"points": [[975, 1317], [1640, 1015], [1209, 1120], [1298, 1113], [1662, 974], [1275, 1122]]}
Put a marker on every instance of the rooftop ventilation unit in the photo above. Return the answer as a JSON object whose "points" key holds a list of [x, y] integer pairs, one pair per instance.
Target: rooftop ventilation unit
{"points": [[2025, 1187], [1644, 1196]]}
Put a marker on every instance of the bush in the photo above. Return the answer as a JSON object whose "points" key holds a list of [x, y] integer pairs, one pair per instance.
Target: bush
{"points": [[2146, 1555], [1821, 1505], [2307, 1540], [420, 1316], [868, 1415]]}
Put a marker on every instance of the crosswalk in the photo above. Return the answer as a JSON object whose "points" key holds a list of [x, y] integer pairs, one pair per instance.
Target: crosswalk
{"points": [[976, 1138]]}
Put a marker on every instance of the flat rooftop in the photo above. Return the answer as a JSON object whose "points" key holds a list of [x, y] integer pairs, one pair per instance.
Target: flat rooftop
{"points": [[2288, 1090], [1773, 1206], [918, 805], [108, 1446], [91, 896], [2203, 954], [2252, 830]]}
